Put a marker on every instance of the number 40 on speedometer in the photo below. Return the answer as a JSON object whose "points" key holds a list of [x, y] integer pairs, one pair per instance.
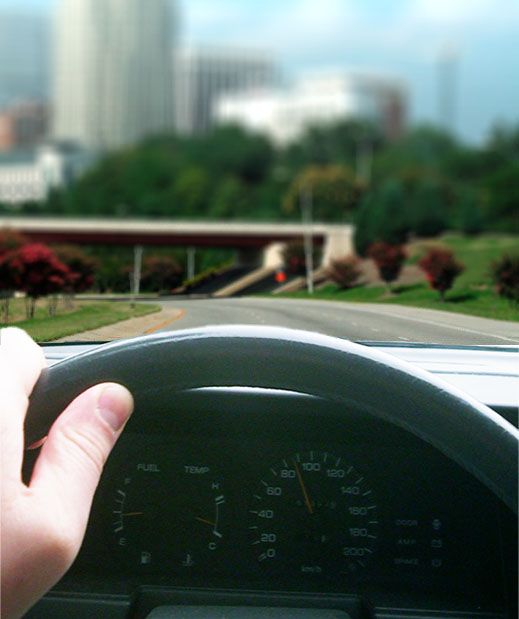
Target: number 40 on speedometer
{"points": [[314, 513]]}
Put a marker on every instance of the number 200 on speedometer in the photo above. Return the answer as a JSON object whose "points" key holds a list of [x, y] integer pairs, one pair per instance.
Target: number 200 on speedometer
{"points": [[313, 513]]}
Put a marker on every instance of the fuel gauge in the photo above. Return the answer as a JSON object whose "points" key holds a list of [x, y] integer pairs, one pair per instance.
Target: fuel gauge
{"points": [[168, 515]]}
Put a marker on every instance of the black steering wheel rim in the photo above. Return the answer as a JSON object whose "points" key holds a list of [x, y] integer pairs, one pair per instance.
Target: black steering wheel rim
{"points": [[466, 431]]}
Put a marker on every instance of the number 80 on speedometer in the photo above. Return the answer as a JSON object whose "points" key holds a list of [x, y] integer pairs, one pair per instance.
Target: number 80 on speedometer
{"points": [[313, 513]]}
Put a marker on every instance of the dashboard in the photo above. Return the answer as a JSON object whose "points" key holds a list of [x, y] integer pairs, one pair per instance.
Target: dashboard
{"points": [[275, 502]]}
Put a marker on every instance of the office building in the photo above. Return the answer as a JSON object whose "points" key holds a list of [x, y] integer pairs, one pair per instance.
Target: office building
{"points": [[202, 76], [284, 115], [29, 176], [113, 83], [23, 124]]}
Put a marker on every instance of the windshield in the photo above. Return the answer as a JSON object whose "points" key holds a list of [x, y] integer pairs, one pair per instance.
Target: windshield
{"points": [[345, 167]]}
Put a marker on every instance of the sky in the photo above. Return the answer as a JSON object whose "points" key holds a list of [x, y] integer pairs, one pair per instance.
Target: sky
{"points": [[405, 39]]}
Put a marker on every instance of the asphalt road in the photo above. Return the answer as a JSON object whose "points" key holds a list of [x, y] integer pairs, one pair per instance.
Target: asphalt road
{"points": [[357, 322]]}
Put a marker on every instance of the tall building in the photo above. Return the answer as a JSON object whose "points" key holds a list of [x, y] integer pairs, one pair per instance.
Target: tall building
{"points": [[285, 114], [203, 75], [113, 74]]}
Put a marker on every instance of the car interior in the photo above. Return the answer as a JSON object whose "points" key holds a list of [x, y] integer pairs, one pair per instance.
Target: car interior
{"points": [[269, 472]]}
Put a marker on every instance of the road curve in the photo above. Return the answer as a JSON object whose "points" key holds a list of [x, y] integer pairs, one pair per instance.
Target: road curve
{"points": [[355, 321]]}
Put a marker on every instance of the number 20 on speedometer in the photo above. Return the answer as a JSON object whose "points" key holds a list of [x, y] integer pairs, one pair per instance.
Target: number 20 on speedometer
{"points": [[314, 513]]}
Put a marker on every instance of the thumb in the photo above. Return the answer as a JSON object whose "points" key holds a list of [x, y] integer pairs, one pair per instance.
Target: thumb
{"points": [[69, 466]]}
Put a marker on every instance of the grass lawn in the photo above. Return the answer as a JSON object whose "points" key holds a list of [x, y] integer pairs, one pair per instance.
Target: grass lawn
{"points": [[473, 290], [74, 318]]}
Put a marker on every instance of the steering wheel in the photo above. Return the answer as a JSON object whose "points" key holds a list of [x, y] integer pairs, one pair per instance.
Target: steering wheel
{"points": [[336, 370]]}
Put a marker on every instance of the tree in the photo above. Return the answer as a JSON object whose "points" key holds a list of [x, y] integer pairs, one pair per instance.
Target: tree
{"points": [[345, 271], [82, 268], [382, 216], [389, 260], [38, 273], [428, 214], [335, 192], [505, 274], [10, 241], [295, 259], [441, 269], [161, 274], [502, 189], [231, 199]]}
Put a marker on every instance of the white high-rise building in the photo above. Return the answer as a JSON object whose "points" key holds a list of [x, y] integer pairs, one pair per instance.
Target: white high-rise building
{"points": [[113, 74], [203, 75]]}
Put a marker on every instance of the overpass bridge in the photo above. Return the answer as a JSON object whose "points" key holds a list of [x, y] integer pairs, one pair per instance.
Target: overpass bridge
{"points": [[256, 242]]}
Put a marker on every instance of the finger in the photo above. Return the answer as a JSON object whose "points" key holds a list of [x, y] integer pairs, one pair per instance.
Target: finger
{"points": [[72, 458], [21, 358], [21, 362]]}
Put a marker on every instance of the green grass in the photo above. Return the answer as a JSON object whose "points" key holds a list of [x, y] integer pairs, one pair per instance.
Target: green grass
{"points": [[82, 317], [482, 303], [472, 293]]}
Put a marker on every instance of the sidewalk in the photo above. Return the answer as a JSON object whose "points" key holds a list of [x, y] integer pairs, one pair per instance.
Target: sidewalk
{"points": [[128, 328]]}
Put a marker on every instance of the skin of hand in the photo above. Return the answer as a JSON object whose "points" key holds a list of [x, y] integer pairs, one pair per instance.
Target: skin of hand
{"points": [[43, 524]]}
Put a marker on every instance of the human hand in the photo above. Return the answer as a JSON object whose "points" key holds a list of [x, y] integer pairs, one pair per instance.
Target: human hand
{"points": [[43, 524]]}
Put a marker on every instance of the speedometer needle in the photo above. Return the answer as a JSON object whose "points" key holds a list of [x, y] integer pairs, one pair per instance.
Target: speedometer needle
{"points": [[303, 488]]}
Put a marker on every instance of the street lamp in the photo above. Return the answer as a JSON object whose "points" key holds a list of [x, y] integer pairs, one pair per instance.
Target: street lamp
{"points": [[306, 199]]}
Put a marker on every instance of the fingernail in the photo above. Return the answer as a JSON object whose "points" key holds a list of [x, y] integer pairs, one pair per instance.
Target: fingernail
{"points": [[115, 405]]}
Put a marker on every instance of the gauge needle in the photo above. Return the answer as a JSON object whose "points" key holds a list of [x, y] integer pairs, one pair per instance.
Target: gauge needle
{"points": [[213, 524], [132, 514], [303, 488]]}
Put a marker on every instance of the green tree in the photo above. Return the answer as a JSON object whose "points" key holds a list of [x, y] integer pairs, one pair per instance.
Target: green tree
{"points": [[231, 200], [502, 207], [191, 192], [335, 192], [428, 214]]}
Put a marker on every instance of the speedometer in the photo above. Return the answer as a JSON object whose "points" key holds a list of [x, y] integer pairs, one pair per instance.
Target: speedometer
{"points": [[314, 513]]}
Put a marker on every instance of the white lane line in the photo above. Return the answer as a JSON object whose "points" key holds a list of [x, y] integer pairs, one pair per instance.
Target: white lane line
{"points": [[428, 322]]}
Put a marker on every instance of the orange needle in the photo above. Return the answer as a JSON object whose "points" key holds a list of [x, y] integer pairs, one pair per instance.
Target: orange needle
{"points": [[213, 524], [132, 514], [303, 488]]}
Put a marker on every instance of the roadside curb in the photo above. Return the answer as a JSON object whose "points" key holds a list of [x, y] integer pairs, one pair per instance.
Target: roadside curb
{"points": [[133, 327]]}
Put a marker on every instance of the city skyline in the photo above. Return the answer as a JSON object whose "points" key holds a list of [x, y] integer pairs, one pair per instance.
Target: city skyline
{"points": [[402, 38]]}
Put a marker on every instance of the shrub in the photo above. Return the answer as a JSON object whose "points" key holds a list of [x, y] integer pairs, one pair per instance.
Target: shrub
{"points": [[82, 268], [345, 272], [505, 274], [294, 257], [389, 260], [441, 269], [160, 273]]}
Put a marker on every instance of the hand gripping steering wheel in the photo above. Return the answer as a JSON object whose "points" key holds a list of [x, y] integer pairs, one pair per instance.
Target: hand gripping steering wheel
{"points": [[469, 433]]}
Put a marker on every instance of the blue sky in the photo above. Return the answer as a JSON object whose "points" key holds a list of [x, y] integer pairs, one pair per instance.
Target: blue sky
{"points": [[401, 38]]}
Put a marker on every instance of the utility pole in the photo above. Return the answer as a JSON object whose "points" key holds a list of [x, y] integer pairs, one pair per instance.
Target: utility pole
{"points": [[191, 255], [306, 198], [137, 271]]}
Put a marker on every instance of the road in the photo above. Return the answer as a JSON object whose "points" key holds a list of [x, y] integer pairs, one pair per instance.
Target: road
{"points": [[358, 322]]}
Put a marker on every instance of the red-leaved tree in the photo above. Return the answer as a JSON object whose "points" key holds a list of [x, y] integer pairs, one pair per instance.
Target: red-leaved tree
{"points": [[389, 259], [38, 273], [441, 269], [161, 274], [10, 241], [82, 268]]}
